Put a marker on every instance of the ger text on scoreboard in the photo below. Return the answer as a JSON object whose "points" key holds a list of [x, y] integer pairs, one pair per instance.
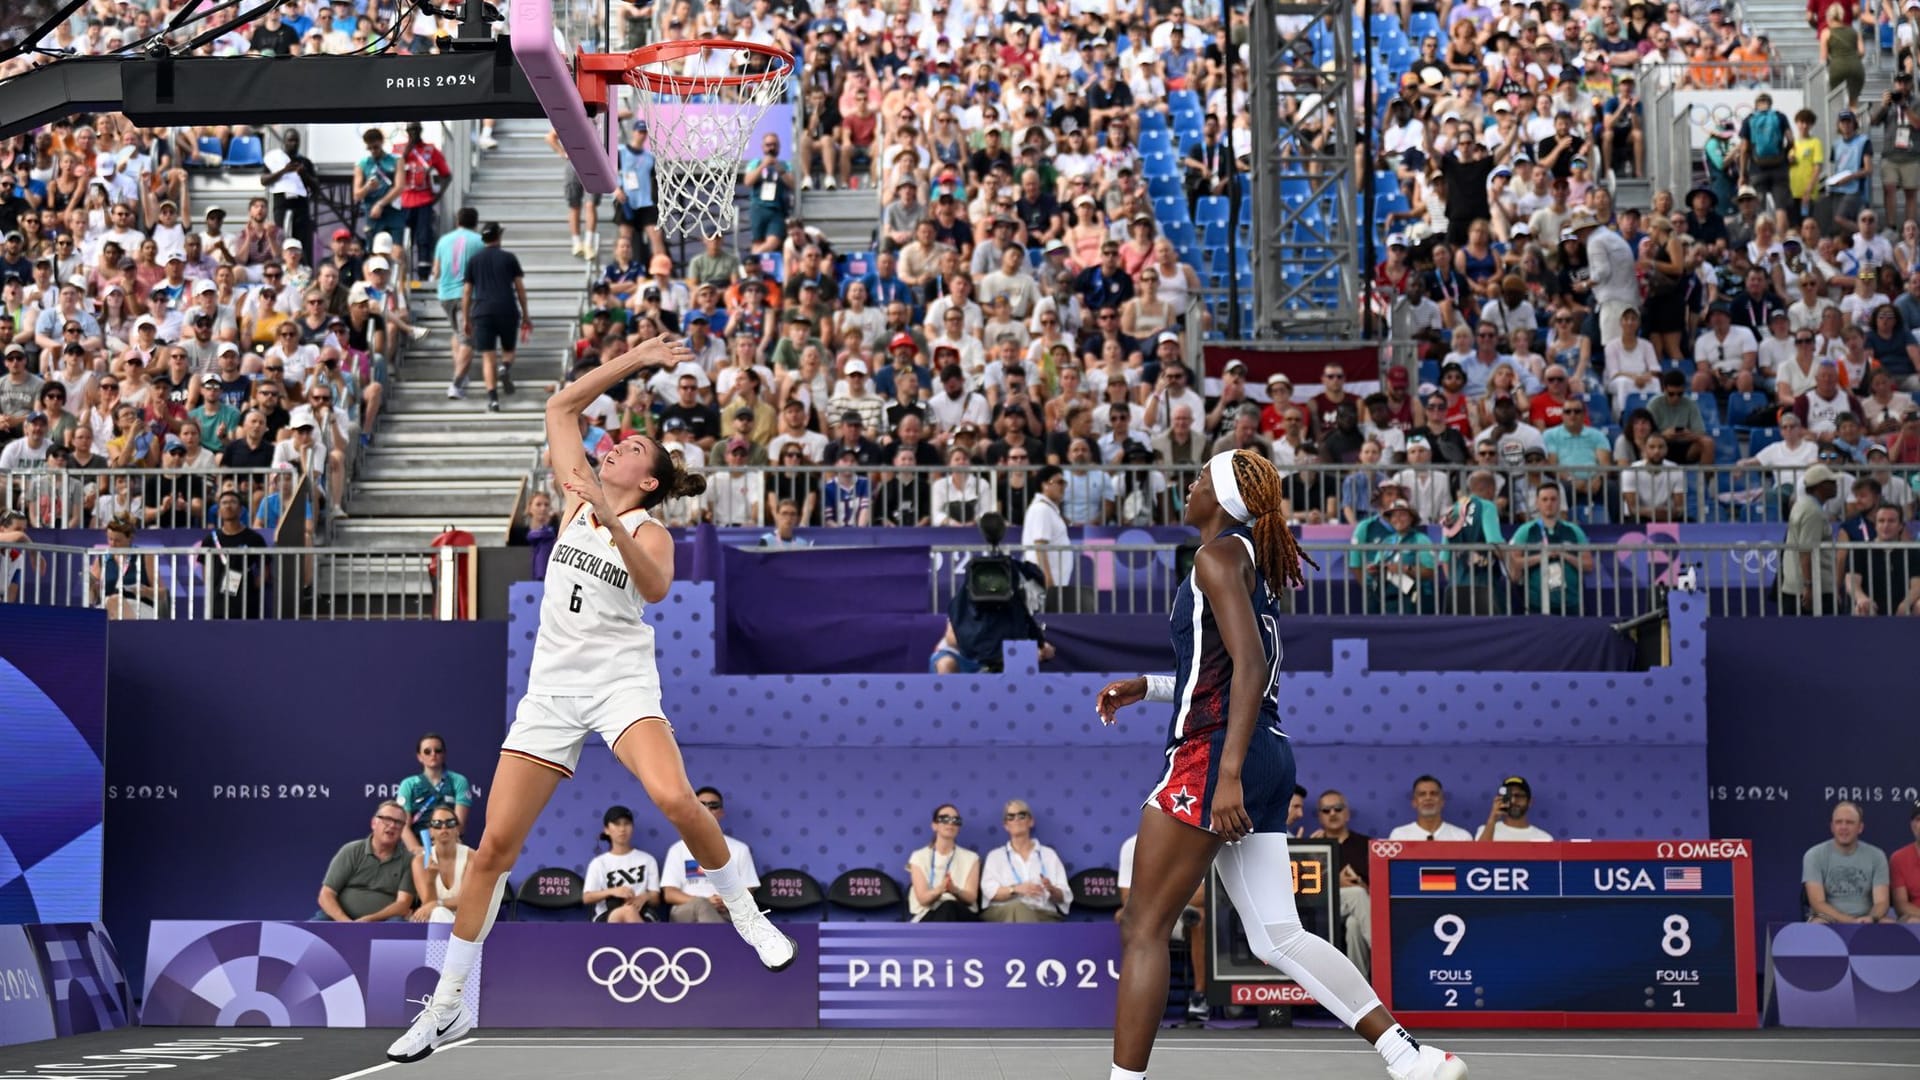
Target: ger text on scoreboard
{"points": [[1605, 934]]}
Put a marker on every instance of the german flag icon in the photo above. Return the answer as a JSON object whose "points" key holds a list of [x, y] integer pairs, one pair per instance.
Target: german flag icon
{"points": [[1437, 879]]}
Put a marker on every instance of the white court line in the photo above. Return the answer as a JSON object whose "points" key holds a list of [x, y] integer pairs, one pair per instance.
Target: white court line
{"points": [[385, 1065], [1225, 1040]]}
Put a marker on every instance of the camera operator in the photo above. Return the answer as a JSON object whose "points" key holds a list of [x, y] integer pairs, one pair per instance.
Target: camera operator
{"points": [[1508, 818], [990, 607], [1900, 157]]}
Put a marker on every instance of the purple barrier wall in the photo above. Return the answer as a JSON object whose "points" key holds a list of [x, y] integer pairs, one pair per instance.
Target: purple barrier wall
{"points": [[832, 772], [242, 755], [1806, 712], [1847, 976], [52, 726]]}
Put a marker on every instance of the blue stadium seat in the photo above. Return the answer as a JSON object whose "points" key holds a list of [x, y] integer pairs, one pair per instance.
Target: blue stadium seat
{"points": [[1170, 207], [210, 149], [1210, 209], [1634, 401], [1709, 407], [1180, 232], [1760, 438], [1600, 408], [1164, 187], [1384, 182], [1430, 371], [1422, 23], [1740, 406], [244, 151], [1152, 121], [1152, 141], [1726, 444]]}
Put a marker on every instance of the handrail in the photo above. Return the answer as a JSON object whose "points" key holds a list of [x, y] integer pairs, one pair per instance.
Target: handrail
{"points": [[1422, 577]]}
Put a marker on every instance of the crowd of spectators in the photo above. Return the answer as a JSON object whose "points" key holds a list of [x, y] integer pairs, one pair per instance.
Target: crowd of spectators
{"points": [[209, 351]]}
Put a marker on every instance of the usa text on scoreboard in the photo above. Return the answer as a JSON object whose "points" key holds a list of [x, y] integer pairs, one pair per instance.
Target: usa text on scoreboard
{"points": [[1613, 934]]}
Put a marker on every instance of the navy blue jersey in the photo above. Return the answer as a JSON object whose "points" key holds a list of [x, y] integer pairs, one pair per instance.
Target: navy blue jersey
{"points": [[1203, 672]]}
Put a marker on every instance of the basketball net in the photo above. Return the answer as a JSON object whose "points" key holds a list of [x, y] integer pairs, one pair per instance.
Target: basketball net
{"points": [[701, 101]]}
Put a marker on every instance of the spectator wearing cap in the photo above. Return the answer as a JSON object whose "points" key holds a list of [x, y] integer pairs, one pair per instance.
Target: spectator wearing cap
{"points": [[1611, 270], [636, 202], [19, 390], [1508, 818], [903, 359], [1897, 114], [851, 437], [698, 422], [1850, 171], [736, 494], [1806, 585], [855, 395], [30, 448]]}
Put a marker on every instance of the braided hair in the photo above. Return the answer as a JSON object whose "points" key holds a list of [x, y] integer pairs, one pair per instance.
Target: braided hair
{"points": [[1276, 555]]}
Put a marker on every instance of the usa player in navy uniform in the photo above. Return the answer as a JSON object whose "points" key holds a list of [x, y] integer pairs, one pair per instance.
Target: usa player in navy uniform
{"points": [[1230, 777], [593, 673]]}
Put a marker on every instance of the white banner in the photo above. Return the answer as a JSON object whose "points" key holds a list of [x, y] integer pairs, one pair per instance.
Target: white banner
{"points": [[1705, 108]]}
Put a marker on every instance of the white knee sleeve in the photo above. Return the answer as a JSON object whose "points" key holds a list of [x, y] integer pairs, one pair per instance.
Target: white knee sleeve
{"points": [[493, 907], [1259, 880]]}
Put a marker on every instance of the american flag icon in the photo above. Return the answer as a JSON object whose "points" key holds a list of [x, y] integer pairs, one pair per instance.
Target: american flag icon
{"points": [[1683, 878]]}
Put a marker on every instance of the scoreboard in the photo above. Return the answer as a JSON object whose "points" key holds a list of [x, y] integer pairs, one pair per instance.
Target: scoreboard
{"points": [[1605, 934], [1237, 977]]}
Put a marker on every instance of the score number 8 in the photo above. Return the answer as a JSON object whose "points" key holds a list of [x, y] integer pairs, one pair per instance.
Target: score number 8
{"points": [[1675, 934]]}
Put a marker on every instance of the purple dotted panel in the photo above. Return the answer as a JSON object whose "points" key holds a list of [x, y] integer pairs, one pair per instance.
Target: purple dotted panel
{"points": [[831, 772]]}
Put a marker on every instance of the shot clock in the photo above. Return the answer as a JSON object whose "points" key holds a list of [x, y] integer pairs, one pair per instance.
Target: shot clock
{"points": [[1615, 934], [1234, 975]]}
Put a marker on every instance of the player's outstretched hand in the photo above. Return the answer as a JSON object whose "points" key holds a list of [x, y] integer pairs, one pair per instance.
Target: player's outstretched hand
{"points": [[584, 486], [663, 351], [1118, 695]]}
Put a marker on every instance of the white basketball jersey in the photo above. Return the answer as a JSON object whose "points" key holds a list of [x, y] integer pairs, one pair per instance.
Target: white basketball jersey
{"points": [[591, 631]]}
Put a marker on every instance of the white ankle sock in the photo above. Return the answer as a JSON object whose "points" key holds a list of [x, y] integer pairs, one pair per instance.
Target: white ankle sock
{"points": [[1119, 1073], [725, 881], [461, 954], [1398, 1049]]}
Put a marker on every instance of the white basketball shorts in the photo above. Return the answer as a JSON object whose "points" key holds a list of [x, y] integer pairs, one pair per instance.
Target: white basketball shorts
{"points": [[550, 728]]}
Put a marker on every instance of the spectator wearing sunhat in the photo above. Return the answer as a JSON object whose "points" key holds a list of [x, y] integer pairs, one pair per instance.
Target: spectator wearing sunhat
{"points": [[1401, 575], [1611, 270]]}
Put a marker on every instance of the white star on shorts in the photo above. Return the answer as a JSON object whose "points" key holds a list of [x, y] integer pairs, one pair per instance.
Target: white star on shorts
{"points": [[1183, 802]]}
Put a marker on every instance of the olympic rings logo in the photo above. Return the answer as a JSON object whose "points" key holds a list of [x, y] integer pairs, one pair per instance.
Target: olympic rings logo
{"points": [[1386, 849], [667, 979]]}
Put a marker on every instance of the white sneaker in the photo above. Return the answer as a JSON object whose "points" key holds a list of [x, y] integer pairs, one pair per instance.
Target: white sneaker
{"points": [[806, 183], [431, 1030], [579, 248], [454, 393], [776, 949], [488, 142], [419, 333], [1434, 1064], [832, 185]]}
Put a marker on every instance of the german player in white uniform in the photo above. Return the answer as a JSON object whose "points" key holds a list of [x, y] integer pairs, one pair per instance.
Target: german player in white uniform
{"points": [[593, 672]]}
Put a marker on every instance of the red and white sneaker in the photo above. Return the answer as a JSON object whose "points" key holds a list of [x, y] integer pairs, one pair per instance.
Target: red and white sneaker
{"points": [[1434, 1064]]}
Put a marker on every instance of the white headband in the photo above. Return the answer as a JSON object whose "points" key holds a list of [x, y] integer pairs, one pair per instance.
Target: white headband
{"points": [[1226, 488]]}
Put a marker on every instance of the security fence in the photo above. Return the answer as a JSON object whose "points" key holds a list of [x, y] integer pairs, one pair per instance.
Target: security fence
{"points": [[220, 580]]}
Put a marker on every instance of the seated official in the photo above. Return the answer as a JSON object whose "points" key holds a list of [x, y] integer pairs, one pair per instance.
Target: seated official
{"points": [[368, 879], [684, 885], [1904, 869], [1024, 880], [622, 882], [1847, 879], [438, 870], [946, 876], [1356, 911], [1429, 803]]}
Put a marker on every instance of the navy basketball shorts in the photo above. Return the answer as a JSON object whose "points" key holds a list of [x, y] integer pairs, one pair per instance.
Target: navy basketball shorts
{"points": [[1185, 790]]}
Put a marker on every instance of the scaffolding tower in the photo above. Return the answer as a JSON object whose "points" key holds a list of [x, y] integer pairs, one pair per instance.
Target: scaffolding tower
{"points": [[1307, 199]]}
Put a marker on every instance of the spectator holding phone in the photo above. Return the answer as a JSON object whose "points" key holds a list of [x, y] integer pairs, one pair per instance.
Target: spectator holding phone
{"points": [[1508, 818]]}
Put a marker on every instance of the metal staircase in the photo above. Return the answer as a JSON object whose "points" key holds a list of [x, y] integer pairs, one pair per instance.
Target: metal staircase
{"points": [[437, 462]]}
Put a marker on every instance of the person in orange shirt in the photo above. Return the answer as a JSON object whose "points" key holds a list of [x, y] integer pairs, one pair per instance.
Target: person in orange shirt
{"points": [[1752, 61], [1707, 71]]}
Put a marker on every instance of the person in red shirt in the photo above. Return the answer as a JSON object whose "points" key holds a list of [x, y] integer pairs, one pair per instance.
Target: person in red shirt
{"points": [[1543, 410], [1273, 417], [423, 176], [1903, 873]]}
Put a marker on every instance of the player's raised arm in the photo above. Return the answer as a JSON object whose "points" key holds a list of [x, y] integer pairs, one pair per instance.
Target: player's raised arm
{"points": [[565, 453]]}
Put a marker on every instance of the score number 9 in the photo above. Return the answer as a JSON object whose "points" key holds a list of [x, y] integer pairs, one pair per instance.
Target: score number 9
{"points": [[1675, 934]]}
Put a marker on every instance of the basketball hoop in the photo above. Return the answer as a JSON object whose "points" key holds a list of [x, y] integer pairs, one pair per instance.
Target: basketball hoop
{"points": [[700, 101]]}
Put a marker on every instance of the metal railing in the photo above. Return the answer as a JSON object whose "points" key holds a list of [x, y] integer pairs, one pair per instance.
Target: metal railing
{"points": [[1421, 577], [224, 582], [1328, 494], [54, 498]]}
